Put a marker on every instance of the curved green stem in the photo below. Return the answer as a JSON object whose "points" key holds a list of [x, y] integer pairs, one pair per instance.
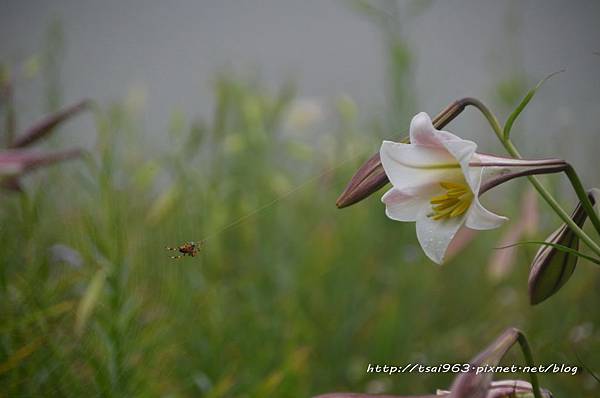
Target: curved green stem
{"points": [[535, 384], [555, 205], [544, 193], [583, 196]]}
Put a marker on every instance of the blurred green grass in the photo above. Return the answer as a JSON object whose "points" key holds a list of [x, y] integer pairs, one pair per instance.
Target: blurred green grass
{"points": [[293, 300]]}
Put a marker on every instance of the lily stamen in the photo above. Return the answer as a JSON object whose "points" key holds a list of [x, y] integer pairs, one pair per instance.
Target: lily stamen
{"points": [[453, 203]]}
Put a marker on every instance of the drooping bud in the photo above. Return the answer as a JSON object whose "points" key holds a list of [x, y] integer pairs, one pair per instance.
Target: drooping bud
{"points": [[497, 389], [18, 160], [47, 124], [475, 383], [551, 267], [15, 163], [368, 179]]}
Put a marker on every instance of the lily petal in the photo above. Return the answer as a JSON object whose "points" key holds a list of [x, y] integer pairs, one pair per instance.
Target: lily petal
{"points": [[422, 131], [480, 218], [410, 165], [462, 151], [435, 235], [404, 205]]}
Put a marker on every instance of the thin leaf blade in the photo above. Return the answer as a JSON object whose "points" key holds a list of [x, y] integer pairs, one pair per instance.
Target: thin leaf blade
{"points": [[528, 97]]}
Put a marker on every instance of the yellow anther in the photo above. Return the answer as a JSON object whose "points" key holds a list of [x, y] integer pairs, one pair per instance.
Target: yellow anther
{"points": [[448, 203], [455, 193], [455, 202], [451, 185], [439, 199], [460, 208]]}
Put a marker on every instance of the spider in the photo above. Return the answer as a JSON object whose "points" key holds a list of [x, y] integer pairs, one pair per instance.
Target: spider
{"points": [[187, 249]]}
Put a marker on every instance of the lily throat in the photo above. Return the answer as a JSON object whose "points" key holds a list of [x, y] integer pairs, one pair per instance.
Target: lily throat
{"points": [[454, 203]]}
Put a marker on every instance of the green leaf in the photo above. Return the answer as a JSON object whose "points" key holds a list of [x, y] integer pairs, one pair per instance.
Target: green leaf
{"points": [[584, 366], [89, 300], [556, 246], [515, 114]]}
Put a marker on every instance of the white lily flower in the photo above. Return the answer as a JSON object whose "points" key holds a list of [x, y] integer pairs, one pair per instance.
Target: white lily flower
{"points": [[437, 180]]}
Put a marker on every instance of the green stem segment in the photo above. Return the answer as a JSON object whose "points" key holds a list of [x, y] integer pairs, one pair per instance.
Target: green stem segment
{"points": [[544, 193], [583, 196], [535, 384]]}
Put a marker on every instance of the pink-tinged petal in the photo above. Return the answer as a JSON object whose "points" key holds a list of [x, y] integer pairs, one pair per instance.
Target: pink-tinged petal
{"points": [[409, 165], [18, 161], [530, 212], [503, 260], [480, 218], [461, 240], [435, 235], [406, 204], [10, 169], [422, 131]]}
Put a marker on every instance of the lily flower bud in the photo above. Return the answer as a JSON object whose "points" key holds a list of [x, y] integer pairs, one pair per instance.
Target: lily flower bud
{"points": [[551, 267], [48, 123], [476, 382], [16, 162]]}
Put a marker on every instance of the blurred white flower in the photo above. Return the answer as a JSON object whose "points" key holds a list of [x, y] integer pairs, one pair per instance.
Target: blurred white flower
{"points": [[304, 113], [581, 332], [437, 180]]}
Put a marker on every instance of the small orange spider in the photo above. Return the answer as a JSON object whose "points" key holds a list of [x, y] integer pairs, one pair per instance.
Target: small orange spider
{"points": [[187, 249]]}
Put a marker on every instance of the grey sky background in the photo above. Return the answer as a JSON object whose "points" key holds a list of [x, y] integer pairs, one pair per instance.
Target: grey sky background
{"points": [[173, 50]]}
